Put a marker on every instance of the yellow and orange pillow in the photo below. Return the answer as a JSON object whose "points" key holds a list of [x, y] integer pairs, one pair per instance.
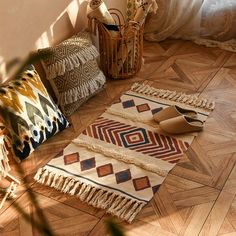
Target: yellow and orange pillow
{"points": [[29, 113]]}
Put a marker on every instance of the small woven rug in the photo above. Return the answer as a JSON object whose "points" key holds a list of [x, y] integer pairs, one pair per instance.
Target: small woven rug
{"points": [[122, 158]]}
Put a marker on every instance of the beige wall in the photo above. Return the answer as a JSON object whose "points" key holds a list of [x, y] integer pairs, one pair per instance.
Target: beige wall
{"points": [[26, 25]]}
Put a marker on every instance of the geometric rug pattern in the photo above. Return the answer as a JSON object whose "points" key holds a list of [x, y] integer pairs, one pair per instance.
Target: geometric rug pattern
{"points": [[138, 139]]}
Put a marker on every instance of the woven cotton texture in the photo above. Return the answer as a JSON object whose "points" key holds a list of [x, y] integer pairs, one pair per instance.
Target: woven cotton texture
{"points": [[122, 158], [73, 71]]}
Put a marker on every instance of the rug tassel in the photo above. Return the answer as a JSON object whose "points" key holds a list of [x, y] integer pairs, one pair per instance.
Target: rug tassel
{"points": [[59, 183], [123, 211], [38, 174], [192, 100], [69, 186], [55, 178], [43, 176], [99, 199], [50, 178], [135, 212], [115, 204], [64, 186], [91, 194], [75, 188]]}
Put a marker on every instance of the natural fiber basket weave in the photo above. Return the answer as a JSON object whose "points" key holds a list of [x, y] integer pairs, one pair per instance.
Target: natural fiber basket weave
{"points": [[121, 46]]}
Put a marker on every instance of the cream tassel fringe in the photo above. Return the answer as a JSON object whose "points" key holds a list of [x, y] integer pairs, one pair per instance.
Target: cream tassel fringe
{"points": [[121, 156], [192, 100], [71, 61], [121, 206], [4, 165], [85, 90]]}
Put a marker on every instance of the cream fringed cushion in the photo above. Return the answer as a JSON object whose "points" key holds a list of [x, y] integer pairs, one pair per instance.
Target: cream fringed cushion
{"points": [[73, 71]]}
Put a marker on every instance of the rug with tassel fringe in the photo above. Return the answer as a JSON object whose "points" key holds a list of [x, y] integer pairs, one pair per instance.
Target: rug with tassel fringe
{"points": [[122, 158]]}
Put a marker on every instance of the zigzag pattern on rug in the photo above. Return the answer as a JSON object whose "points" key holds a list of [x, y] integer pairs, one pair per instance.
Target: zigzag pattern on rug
{"points": [[138, 139]]}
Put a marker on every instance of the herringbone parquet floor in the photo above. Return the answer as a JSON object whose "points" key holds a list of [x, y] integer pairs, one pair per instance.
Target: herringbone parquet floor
{"points": [[199, 195]]}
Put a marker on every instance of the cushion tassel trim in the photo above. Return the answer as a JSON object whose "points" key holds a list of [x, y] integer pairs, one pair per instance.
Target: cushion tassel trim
{"points": [[70, 62], [115, 204], [86, 89], [192, 100]]}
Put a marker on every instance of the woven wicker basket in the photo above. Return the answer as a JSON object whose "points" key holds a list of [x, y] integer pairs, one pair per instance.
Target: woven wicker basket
{"points": [[120, 47]]}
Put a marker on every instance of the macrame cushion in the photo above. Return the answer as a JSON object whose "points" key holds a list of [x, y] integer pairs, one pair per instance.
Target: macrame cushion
{"points": [[73, 71], [29, 113]]}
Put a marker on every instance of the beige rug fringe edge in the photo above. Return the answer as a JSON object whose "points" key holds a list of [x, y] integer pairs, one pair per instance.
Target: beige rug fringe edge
{"points": [[123, 207], [192, 99]]}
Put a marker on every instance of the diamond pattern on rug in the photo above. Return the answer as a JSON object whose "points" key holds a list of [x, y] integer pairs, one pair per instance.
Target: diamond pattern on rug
{"points": [[71, 158], [155, 188], [105, 170], [141, 183], [134, 137], [128, 104], [156, 110], [137, 139], [123, 176], [87, 164], [143, 107], [60, 154]]}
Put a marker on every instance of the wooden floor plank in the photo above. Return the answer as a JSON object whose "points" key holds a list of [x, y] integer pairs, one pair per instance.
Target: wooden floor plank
{"points": [[217, 215], [196, 219]]}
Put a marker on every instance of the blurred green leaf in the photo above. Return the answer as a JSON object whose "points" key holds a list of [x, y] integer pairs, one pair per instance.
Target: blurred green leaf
{"points": [[113, 228]]}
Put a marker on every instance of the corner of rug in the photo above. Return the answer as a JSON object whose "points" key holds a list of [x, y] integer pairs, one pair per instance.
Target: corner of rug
{"points": [[123, 207]]}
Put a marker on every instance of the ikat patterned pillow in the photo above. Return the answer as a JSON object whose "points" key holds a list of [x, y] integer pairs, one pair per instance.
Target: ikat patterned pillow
{"points": [[29, 113]]}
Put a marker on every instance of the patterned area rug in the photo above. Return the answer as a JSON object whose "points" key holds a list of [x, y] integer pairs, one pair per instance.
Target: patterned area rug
{"points": [[122, 158]]}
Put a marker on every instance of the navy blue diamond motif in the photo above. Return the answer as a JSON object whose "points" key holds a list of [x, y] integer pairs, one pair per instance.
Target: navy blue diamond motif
{"points": [[155, 188], [123, 176], [156, 110], [87, 164], [128, 104]]}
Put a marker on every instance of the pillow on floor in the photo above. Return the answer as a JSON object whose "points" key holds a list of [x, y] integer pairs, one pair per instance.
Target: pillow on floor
{"points": [[73, 71], [29, 113]]}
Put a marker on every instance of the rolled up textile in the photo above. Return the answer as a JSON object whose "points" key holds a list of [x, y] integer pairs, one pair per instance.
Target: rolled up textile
{"points": [[98, 9], [144, 8]]}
